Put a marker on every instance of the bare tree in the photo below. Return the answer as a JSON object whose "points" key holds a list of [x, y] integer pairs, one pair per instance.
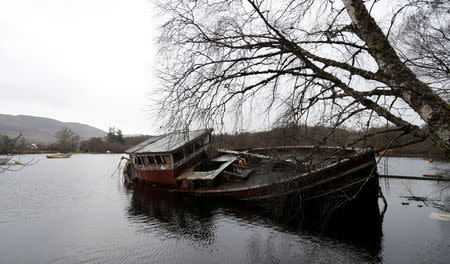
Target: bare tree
{"points": [[67, 140], [328, 62], [9, 147], [425, 44]]}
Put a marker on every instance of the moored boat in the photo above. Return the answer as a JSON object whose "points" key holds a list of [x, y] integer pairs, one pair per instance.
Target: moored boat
{"points": [[59, 156], [185, 162]]}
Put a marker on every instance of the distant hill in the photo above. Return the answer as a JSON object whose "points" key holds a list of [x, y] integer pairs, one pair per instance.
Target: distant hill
{"points": [[42, 130]]}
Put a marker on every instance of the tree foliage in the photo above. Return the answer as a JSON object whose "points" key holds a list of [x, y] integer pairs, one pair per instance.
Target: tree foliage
{"points": [[308, 62], [100, 145], [114, 135]]}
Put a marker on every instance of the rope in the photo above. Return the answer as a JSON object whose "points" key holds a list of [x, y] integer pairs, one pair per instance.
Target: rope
{"points": [[118, 166]]}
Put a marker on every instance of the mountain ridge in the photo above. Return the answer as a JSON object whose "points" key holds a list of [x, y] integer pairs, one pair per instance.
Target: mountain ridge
{"points": [[42, 130]]}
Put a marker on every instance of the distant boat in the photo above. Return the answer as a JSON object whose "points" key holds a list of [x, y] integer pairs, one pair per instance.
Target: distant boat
{"points": [[59, 156], [3, 161]]}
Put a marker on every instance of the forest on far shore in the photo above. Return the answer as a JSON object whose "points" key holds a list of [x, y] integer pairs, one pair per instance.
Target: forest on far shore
{"points": [[296, 135], [115, 142]]}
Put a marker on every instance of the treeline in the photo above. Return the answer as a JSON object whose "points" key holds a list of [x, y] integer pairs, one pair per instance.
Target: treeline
{"points": [[92, 145], [68, 141], [299, 135], [102, 145], [115, 142]]}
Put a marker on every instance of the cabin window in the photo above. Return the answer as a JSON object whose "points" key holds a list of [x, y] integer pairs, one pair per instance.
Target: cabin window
{"points": [[189, 149], [198, 144], [177, 156], [154, 159], [167, 159], [159, 160], [151, 160]]}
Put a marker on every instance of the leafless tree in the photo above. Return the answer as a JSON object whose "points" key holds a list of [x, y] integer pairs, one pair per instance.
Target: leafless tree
{"points": [[425, 44], [330, 62], [67, 140], [9, 147]]}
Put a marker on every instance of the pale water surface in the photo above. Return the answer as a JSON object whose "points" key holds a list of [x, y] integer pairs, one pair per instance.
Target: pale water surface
{"points": [[74, 211]]}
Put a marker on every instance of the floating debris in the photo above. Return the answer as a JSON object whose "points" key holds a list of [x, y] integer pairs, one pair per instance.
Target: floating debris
{"points": [[415, 198], [433, 176], [441, 217]]}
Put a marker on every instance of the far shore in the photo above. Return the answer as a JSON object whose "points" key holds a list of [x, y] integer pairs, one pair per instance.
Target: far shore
{"points": [[393, 153]]}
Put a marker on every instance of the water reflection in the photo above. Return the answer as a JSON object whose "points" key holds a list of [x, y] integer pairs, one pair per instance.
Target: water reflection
{"points": [[72, 211], [177, 214], [202, 221]]}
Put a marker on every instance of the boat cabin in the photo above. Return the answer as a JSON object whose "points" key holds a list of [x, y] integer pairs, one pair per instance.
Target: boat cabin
{"points": [[161, 159]]}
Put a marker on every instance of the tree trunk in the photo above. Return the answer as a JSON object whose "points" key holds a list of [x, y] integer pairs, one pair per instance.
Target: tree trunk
{"points": [[418, 95]]}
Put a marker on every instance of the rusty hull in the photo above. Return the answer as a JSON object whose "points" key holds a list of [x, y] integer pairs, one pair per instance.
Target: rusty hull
{"points": [[335, 177], [351, 171]]}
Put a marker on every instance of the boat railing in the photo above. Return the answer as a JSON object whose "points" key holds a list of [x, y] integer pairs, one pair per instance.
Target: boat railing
{"points": [[156, 167]]}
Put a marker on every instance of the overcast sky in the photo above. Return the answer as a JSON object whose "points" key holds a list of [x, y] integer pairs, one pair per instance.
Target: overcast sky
{"points": [[87, 61]]}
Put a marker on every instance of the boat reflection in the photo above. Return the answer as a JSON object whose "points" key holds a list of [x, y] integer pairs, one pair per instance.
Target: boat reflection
{"points": [[181, 216], [199, 219]]}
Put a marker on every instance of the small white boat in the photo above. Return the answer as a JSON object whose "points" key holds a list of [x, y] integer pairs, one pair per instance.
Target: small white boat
{"points": [[3, 161]]}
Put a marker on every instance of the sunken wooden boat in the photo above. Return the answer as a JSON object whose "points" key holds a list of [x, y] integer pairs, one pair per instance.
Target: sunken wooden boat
{"points": [[185, 162], [59, 156]]}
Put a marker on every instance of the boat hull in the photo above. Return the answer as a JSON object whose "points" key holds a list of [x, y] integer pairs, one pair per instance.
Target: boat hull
{"points": [[59, 156], [350, 173], [334, 178], [3, 161]]}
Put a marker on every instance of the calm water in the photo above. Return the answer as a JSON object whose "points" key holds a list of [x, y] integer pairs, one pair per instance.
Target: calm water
{"points": [[74, 211]]}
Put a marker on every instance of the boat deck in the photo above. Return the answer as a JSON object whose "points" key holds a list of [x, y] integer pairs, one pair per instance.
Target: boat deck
{"points": [[275, 167], [224, 161]]}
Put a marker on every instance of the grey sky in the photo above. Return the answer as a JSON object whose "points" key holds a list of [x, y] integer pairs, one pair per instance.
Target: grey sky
{"points": [[88, 61]]}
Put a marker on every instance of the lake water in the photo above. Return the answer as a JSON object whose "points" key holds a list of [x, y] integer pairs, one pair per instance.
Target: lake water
{"points": [[74, 211]]}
